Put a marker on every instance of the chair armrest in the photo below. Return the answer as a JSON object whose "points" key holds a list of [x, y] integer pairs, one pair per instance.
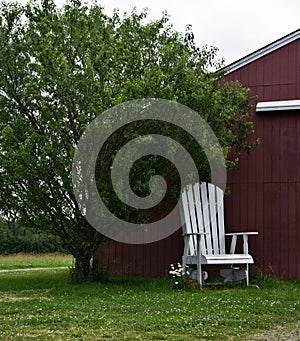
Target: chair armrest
{"points": [[241, 233], [245, 240], [187, 238]]}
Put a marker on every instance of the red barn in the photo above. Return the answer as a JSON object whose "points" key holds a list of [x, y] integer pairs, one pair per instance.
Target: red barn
{"points": [[265, 191]]}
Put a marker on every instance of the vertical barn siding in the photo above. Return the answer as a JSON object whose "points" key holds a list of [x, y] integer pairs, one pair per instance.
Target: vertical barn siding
{"points": [[265, 192], [151, 259]]}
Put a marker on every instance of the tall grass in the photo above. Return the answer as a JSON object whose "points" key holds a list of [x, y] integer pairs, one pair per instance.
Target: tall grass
{"points": [[25, 260]]}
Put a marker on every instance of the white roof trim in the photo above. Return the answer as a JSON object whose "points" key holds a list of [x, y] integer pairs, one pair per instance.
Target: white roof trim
{"points": [[263, 51], [278, 105]]}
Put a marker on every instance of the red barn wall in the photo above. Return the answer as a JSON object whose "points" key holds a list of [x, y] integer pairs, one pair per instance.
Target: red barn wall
{"points": [[265, 191], [151, 259]]}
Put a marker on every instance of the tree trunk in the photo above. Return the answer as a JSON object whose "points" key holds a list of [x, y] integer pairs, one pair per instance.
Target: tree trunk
{"points": [[83, 253], [82, 266]]}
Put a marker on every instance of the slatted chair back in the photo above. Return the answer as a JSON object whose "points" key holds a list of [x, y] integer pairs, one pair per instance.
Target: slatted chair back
{"points": [[203, 211]]}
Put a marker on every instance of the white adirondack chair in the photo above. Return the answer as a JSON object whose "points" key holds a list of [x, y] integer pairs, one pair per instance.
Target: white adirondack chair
{"points": [[203, 231]]}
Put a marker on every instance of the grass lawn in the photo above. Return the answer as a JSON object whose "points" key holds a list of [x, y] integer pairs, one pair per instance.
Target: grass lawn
{"points": [[44, 305], [22, 261]]}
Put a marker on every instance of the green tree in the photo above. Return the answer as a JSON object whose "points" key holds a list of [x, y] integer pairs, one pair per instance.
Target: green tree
{"points": [[60, 68]]}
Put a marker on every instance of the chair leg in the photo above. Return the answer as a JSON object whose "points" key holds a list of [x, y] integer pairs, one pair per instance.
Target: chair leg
{"points": [[183, 264], [199, 268], [247, 275]]}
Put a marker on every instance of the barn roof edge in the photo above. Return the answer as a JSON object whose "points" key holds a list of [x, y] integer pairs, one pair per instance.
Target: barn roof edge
{"points": [[287, 39]]}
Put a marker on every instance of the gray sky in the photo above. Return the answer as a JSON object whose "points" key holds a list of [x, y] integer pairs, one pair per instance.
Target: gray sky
{"points": [[236, 27]]}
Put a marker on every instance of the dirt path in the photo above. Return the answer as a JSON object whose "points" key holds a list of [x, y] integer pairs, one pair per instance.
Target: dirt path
{"points": [[290, 332]]}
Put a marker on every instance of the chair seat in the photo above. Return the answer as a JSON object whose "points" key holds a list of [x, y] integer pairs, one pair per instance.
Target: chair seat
{"points": [[222, 259], [227, 259]]}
